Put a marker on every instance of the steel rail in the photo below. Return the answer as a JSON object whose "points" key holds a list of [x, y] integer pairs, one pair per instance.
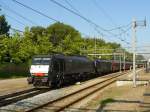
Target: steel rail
{"points": [[14, 97], [73, 93]]}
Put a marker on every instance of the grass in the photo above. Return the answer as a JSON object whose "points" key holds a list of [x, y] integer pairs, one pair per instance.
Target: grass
{"points": [[106, 101], [5, 75]]}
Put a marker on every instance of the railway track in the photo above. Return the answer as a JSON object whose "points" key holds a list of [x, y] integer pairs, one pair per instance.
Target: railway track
{"points": [[65, 102], [19, 95]]}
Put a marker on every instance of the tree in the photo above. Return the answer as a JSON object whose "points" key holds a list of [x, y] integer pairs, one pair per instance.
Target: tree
{"points": [[4, 27], [58, 31], [71, 47], [37, 31], [140, 57], [114, 45], [57, 38], [29, 46], [4, 50]]}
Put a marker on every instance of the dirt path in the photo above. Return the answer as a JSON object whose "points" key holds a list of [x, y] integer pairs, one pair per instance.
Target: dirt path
{"points": [[119, 99], [12, 85]]}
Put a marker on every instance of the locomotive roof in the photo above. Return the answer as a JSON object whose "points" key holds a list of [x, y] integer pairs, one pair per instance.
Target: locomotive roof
{"points": [[71, 57], [103, 60], [113, 61], [61, 56], [38, 56], [48, 55]]}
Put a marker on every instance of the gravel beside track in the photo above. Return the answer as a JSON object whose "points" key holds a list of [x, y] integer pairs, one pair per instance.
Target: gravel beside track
{"points": [[20, 95], [13, 85], [68, 100], [27, 104], [15, 93]]}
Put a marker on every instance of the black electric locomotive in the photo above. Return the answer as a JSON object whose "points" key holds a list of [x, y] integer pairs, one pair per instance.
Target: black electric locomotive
{"points": [[53, 70]]}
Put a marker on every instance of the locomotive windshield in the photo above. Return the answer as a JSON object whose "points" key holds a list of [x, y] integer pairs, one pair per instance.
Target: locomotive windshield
{"points": [[41, 61]]}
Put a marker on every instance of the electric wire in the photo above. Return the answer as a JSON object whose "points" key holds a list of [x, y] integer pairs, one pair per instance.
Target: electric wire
{"points": [[108, 16], [16, 13], [14, 29], [42, 14], [72, 6], [15, 20], [81, 16], [89, 21], [36, 11], [96, 27], [116, 28], [103, 11]]}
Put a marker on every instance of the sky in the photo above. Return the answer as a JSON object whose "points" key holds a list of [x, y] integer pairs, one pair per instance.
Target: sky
{"points": [[107, 14]]}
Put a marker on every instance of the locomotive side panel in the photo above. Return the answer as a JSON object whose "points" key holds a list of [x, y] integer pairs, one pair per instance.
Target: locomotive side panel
{"points": [[103, 66], [77, 65]]}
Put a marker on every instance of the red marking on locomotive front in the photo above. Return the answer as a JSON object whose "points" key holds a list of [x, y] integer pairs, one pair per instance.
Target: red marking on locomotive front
{"points": [[39, 74]]}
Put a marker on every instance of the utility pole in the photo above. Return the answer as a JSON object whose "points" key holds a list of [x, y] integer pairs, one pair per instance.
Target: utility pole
{"points": [[120, 56], [120, 62], [133, 48], [95, 47], [134, 25], [124, 58], [114, 57]]}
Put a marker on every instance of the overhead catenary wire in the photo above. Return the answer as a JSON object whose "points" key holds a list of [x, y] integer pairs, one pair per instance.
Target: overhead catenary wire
{"points": [[119, 27], [15, 20], [77, 11], [16, 13], [40, 13], [108, 17], [28, 7], [81, 16], [104, 12], [14, 29], [36, 11], [72, 6]]}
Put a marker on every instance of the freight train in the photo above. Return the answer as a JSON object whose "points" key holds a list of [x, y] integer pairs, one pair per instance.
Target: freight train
{"points": [[55, 70]]}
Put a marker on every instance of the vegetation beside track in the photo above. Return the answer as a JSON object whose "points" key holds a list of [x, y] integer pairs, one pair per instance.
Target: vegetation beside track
{"points": [[10, 70], [106, 101], [20, 47]]}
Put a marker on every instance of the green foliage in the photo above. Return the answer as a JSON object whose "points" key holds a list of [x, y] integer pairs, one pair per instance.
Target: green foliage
{"points": [[4, 27], [18, 49], [4, 50], [56, 38], [139, 57], [10, 70], [106, 101], [59, 31]]}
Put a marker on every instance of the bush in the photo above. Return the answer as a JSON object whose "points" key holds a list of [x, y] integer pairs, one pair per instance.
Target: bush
{"points": [[9, 70]]}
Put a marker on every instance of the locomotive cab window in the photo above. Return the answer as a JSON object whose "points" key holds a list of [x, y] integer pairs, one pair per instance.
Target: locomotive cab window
{"points": [[41, 61], [46, 61], [36, 61]]}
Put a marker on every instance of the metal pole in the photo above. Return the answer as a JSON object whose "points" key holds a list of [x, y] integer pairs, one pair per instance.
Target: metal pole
{"points": [[95, 47], [114, 56], [120, 62], [134, 53], [124, 66], [134, 25]]}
